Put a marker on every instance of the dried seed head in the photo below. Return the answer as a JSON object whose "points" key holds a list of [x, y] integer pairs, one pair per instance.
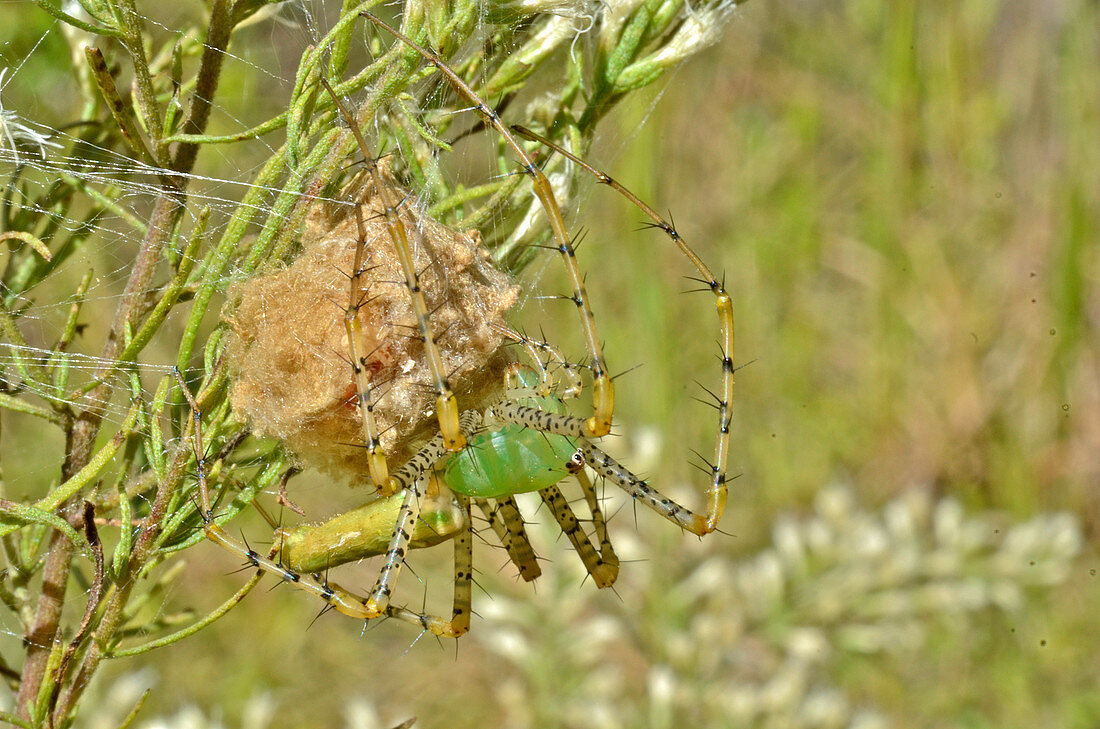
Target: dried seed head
{"points": [[288, 347]]}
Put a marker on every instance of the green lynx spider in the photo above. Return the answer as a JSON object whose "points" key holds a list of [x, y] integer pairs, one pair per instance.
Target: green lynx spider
{"points": [[524, 442]]}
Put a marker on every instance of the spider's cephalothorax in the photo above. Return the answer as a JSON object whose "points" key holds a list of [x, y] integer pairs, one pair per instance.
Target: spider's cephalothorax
{"points": [[484, 449]]}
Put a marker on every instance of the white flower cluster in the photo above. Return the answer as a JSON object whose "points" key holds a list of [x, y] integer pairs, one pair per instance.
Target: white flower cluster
{"points": [[752, 643]]}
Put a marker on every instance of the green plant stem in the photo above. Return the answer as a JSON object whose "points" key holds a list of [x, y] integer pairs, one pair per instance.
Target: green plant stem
{"points": [[80, 440], [134, 42], [206, 83], [194, 627]]}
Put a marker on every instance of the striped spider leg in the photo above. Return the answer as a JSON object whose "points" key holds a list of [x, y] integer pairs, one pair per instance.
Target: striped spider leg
{"points": [[441, 516], [446, 403], [583, 430], [605, 466], [603, 389]]}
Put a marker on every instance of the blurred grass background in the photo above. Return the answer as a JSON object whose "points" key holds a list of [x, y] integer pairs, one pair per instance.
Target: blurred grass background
{"points": [[904, 199]]}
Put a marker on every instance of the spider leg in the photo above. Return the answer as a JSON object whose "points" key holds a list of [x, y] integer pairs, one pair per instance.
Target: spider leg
{"points": [[641, 491], [379, 597], [464, 567], [376, 459], [446, 403], [547, 384], [409, 478], [432, 452], [603, 389], [603, 565], [339, 599], [459, 623], [716, 495], [609, 468], [608, 557], [505, 519]]}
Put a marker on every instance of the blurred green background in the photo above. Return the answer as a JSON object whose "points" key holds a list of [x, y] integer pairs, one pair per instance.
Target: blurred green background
{"points": [[904, 199]]}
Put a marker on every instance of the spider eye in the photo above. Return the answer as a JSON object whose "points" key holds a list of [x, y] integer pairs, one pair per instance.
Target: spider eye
{"points": [[576, 463]]}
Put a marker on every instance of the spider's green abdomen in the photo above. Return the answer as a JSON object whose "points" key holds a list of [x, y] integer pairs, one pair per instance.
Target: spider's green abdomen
{"points": [[509, 460], [512, 459]]}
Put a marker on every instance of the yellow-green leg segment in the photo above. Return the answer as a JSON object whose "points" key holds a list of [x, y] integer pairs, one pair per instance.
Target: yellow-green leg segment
{"points": [[506, 521]]}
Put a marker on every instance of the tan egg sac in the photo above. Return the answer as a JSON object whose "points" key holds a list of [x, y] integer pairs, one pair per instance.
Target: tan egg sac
{"points": [[288, 350]]}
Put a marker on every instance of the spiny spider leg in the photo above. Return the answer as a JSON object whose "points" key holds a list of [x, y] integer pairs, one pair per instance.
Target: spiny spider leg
{"points": [[446, 404], [608, 558], [409, 477], [548, 422], [506, 521], [547, 384], [376, 460], [603, 391], [603, 565], [344, 601], [716, 495], [464, 572]]}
